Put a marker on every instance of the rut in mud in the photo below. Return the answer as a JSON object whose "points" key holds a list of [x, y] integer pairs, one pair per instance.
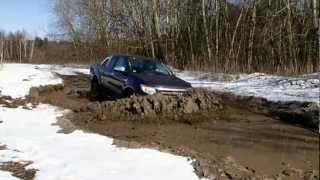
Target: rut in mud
{"points": [[161, 107], [230, 136]]}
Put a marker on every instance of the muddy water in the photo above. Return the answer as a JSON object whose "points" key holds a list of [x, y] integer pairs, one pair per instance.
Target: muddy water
{"points": [[266, 147], [231, 142]]}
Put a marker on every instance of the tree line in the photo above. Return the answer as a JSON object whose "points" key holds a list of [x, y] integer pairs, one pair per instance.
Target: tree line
{"points": [[15, 46], [217, 35], [21, 47], [279, 36]]}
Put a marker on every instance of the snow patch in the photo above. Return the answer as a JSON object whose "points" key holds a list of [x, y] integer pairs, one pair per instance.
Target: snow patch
{"points": [[305, 88], [68, 70], [17, 79], [30, 136], [7, 176]]}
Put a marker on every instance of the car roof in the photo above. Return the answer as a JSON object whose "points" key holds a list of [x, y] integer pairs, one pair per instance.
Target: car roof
{"points": [[134, 57]]}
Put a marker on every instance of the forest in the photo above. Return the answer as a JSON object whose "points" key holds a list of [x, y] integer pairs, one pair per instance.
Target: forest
{"points": [[272, 36]]}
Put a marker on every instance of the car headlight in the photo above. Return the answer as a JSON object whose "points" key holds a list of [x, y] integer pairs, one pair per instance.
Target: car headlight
{"points": [[148, 90]]}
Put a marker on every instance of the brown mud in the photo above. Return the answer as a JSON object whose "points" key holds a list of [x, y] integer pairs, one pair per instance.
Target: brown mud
{"points": [[18, 169], [230, 137]]}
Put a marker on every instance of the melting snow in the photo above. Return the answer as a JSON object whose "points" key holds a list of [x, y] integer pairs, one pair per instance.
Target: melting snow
{"points": [[30, 136], [66, 69], [17, 79], [7, 176], [304, 88]]}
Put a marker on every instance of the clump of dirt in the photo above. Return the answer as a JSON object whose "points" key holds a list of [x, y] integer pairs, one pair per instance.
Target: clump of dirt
{"points": [[18, 169], [3, 147], [158, 105], [36, 92], [7, 101]]}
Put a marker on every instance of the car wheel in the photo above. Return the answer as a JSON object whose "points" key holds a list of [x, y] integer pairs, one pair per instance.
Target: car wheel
{"points": [[95, 89], [128, 93]]}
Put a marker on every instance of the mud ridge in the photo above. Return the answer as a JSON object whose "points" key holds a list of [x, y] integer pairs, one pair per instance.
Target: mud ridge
{"points": [[157, 106], [177, 108]]}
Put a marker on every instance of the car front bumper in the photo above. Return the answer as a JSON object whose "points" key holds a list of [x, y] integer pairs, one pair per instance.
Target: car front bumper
{"points": [[173, 91]]}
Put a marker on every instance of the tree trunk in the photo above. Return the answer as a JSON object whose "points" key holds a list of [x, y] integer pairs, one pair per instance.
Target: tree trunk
{"points": [[252, 33], [151, 39], [31, 50], [191, 45], [315, 12], [291, 43], [156, 16], [25, 48], [316, 18], [1, 51], [206, 31], [217, 31], [231, 54], [20, 51]]}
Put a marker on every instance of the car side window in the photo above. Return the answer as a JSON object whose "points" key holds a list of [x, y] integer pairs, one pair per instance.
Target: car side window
{"points": [[106, 62], [121, 64]]}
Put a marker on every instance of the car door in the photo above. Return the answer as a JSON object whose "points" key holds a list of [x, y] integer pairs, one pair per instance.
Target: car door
{"points": [[104, 72], [119, 75]]}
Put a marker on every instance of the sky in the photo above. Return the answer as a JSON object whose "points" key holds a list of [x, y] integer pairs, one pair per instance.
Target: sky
{"points": [[31, 15]]}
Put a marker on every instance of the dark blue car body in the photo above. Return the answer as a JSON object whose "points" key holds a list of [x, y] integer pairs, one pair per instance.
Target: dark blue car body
{"points": [[115, 76]]}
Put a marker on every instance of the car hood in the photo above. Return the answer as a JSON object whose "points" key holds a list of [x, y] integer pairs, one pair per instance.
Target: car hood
{"points": [[157, 80]]}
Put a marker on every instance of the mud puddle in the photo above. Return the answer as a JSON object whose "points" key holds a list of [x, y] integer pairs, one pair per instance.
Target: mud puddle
{"points": [[231, 137]]}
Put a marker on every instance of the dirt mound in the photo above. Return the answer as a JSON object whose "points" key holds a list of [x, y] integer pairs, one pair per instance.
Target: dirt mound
{"points": [[174, 107], [7, 101], [19, 170], [199, 101], [35, 92]]}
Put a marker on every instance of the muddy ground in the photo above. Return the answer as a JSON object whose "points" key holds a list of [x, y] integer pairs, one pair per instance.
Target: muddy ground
{"points": [[18, 169], [228, 136]]}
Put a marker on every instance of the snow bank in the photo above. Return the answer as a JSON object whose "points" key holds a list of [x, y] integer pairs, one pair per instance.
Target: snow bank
{"points": [[17, 79], [30, 136], [7, 176], [66, 69], [304, 88]]}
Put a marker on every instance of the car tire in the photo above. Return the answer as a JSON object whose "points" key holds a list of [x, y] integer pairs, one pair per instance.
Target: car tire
{"points": [[128, 93], [95, 90]]}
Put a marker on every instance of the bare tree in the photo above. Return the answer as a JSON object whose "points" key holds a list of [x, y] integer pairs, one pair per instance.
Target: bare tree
{"points": [[206, 30], [247, 36], [31, 50], [1, 46], [316, 20], [252, 34]]}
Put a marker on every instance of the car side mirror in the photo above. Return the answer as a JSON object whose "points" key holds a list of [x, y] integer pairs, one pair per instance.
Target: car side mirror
{"points": [[120, 69]]}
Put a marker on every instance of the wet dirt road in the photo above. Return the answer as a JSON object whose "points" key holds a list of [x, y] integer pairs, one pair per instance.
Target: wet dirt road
{"points": [[233, 138]]}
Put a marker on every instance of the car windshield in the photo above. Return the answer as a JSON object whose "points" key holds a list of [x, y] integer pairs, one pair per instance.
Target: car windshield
{"points": [[148, 66]]}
